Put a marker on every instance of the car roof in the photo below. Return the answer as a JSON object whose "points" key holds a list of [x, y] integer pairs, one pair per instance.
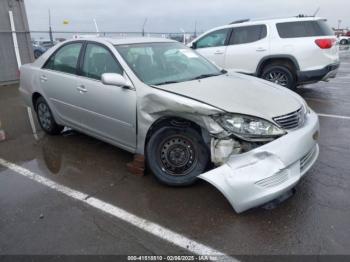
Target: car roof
{"points": [[269, 20], [125, 41]]}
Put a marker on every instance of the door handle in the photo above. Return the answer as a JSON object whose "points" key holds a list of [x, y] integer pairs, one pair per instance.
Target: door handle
{"points": [[81, 89], [218, 52], [261, 49], [43, 78]]}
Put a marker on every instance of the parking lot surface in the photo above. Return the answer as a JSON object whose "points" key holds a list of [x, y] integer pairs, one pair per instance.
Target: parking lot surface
{"points": [[37, 219]]}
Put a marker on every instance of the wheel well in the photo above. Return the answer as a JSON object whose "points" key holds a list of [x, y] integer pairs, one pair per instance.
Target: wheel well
{"points": [[278, 61], [171, 121], [35, 97]]}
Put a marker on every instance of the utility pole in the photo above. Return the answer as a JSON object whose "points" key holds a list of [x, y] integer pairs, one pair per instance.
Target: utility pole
{"points": [[50, 29], [143, 27], [195, 29]]}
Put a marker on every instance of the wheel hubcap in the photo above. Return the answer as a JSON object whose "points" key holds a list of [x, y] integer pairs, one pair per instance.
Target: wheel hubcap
{"points": [[44, 116], [177, 156], [279, 78]]}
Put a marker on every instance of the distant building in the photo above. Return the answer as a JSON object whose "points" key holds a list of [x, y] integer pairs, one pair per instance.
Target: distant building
{"points": [[8, 57]]}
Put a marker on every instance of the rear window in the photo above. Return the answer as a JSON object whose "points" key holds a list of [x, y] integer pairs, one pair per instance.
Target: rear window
{"points": [[304, 29], [247, 34]]}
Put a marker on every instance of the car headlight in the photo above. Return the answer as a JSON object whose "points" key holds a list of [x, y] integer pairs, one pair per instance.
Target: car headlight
{"points": [[249, 128]]}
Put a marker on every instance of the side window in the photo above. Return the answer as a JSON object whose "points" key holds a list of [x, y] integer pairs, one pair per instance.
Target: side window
{"points": [[99, 60], [304, 29], [216, 38], [247, 34], [65, 59]]}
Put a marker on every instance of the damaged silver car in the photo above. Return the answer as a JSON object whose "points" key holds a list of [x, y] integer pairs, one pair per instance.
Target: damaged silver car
{"points": [[250, 138]]}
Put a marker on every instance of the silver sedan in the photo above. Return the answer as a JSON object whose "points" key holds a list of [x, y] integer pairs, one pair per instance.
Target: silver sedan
{"points": [[251, 139]]}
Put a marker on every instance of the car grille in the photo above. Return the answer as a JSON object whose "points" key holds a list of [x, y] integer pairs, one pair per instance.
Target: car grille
{"points": [[305, 160], [291, 120], [274, 180]]}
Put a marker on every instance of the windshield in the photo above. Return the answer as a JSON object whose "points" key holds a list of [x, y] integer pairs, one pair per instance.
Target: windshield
{"points": [[165, 63]]}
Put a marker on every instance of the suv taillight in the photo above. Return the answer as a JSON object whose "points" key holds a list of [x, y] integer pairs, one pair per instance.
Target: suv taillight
{"points": [[325, 43]]}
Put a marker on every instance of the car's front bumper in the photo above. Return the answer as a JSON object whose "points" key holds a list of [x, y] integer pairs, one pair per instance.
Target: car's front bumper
{"points": [[265, 173]]}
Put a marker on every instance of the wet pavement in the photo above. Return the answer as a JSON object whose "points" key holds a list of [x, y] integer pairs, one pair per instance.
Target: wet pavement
{"points": [[35, 219]]}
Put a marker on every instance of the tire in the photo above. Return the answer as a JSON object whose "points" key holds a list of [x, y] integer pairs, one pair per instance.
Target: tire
{"points": [[37, 54], [344, 42], [280, 75], [177, 155], [45, 118]]}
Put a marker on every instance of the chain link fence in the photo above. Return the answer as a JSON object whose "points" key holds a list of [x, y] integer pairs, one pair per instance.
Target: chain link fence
{"points": [[59, 36]]}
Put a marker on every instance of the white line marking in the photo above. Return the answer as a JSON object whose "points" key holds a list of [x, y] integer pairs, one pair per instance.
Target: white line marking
{"points": [[32, 124], [335, 116], [148, 226]]}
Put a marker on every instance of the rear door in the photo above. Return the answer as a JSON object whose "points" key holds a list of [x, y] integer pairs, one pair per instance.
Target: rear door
{"points": [[110, 111], [246, 47], [213, 45], [58, 80]]}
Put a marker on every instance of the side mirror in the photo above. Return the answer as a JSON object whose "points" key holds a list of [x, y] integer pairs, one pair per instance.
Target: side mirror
{"points": [[113, 79], [194, 45]]}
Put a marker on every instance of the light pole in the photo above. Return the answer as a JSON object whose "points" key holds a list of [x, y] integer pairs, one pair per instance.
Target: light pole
{"points": [[143, 27], [195, 29], [50, 29], [184, 37]]}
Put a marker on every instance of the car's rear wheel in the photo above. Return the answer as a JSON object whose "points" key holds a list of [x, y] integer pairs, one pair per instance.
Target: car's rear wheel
{"points": [[280, 75], [177, 155], [46, 119]]}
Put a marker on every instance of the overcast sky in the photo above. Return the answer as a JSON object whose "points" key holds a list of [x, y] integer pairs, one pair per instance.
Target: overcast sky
{"points": [[171, 15]]}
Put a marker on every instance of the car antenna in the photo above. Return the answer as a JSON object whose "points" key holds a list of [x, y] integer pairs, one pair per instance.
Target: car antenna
{"points": [[316, 12]]}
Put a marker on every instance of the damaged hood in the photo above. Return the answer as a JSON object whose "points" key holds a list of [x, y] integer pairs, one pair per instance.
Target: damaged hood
{"points": [[236, 93]]}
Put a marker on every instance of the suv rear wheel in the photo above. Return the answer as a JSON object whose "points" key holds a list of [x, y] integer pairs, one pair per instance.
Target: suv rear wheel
{"points": [[279, 74], [177, 155]]}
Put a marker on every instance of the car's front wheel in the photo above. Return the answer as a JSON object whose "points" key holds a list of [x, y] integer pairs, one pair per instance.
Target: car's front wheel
{"points": [[46, 119], [177, 155], [280, 75]]}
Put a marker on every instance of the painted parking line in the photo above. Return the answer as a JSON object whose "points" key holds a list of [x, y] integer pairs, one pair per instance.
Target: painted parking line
{"points": [[32, 124], [334, 116], [143, 224]]}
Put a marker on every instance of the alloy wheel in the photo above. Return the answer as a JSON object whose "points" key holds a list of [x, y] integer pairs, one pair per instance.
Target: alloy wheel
{"points": [[44, 116], [277, 77]]}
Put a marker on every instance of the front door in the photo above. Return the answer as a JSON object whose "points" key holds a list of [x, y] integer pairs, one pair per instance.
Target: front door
{"points": [[110, 111]]}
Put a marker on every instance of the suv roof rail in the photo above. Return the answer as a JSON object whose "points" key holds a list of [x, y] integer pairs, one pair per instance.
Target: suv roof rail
{"points": [[302, 16], [240, 21]]}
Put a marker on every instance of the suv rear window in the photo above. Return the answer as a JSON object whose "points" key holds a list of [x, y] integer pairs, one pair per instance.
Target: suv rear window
{"points": [[247, 34], [304, 29]]}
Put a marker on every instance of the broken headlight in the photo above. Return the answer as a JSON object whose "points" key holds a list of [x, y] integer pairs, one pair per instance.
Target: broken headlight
{"points": [[249, 128]]}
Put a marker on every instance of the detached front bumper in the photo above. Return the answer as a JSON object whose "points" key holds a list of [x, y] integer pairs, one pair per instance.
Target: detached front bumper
{"points": [[265, 173]]}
